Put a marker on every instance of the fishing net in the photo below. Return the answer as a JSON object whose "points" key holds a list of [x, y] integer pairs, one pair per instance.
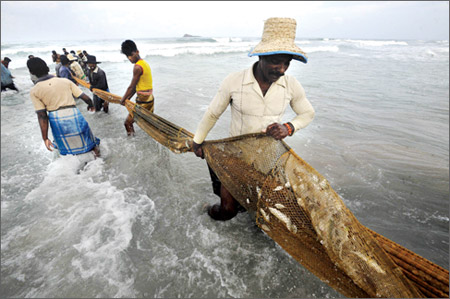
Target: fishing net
{"points": [[299, 210], [296, 206]]}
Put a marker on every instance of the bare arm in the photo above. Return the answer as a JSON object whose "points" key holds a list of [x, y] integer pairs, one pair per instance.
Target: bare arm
{"points": [[131, 90], [43, 123], [88, 101]]}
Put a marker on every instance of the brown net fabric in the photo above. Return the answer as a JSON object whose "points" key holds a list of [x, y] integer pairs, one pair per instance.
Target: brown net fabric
{"points": [[100, 93], [168, 134], [82, 82], [299, 210], [428, 277]]}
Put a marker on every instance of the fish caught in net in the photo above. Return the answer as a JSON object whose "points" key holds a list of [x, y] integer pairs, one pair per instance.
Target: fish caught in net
{"points": [[296, 206]]}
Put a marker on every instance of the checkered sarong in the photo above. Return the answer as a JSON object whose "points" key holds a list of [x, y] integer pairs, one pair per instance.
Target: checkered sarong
{"points": [[71, 132]]}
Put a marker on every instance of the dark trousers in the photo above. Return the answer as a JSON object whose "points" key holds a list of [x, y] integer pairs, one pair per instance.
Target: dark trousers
{"points": [[216, 184], [98, 103], [10, 86]]}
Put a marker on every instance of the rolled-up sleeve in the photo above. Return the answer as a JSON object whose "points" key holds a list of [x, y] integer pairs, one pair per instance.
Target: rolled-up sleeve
{"points": [[76, 91], [300, 105], [37, 103], [217, 107]]}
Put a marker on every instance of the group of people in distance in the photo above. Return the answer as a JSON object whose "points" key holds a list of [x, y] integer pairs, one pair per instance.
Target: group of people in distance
{"points": [[258, 97], [85, 67], [54, 97]]}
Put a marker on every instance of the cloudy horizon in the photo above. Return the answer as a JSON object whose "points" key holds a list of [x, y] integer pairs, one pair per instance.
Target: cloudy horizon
{"points": [[76, 20]]}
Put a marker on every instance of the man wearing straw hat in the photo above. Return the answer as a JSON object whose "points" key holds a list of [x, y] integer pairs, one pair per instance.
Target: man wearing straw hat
{"points": [[76, 67], [82, 61], [258, 98]]}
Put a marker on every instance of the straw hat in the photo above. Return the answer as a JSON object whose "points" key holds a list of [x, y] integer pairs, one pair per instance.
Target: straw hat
{"points": [[79, 52], [71, 57], [278, 38]]}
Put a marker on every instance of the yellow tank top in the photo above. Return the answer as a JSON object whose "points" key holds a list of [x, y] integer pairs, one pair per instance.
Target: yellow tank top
{"points": [[146, 81]]}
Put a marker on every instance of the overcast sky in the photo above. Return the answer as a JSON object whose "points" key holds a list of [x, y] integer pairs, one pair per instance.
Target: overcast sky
{"points": [[75, 20]]}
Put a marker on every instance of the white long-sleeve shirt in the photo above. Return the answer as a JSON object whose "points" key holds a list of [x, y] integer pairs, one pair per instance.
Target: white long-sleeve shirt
{"points": [[251, 112]]}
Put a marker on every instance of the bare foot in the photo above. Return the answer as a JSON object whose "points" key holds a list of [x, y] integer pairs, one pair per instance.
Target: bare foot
{"points": [[96, 151]]}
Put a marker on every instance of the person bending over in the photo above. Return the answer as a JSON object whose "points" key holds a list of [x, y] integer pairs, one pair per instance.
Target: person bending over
{"points": [[258, 97], [53, 101]]}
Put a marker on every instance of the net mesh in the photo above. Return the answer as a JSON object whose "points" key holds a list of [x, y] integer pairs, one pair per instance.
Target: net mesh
{"points": [[296, 206]]}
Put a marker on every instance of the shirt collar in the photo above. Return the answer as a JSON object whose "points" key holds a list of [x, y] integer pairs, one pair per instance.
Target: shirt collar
{"points": [[95, 70], [46, 77], [249, 77]]}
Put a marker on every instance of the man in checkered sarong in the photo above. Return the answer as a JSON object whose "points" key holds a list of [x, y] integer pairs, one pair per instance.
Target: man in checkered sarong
{"points": [[53, 100]]}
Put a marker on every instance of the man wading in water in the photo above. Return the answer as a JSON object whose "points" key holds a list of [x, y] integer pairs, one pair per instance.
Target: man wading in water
{"points": [[141, 84], [258, 98], [56, 96]]}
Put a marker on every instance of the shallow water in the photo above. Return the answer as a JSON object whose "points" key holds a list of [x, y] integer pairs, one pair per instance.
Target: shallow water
{"points": [[132, 224]]}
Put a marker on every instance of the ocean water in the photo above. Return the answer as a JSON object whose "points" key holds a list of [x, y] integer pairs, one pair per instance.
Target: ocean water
{"points": [[132, 223]]}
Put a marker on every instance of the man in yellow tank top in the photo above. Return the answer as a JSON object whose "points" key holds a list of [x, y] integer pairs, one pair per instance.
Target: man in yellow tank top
{"points": [[141, 84]]}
